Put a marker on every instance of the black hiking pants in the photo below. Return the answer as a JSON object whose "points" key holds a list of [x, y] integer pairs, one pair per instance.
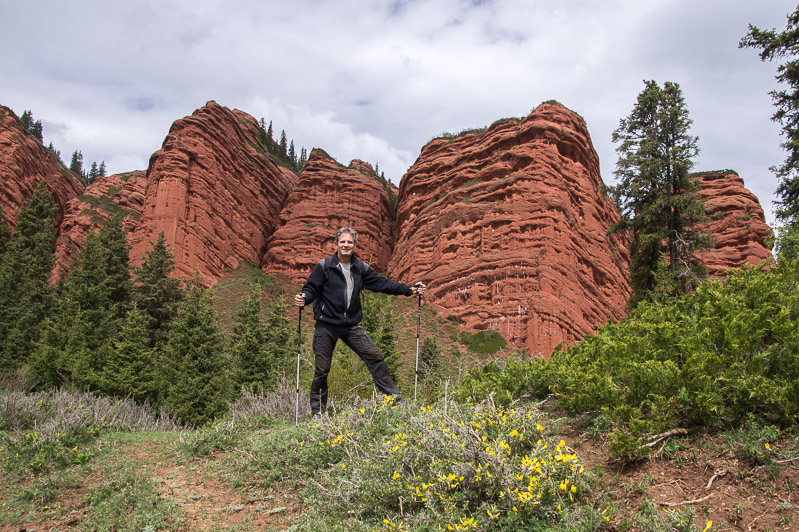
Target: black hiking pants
{"points": [[324, 341]]}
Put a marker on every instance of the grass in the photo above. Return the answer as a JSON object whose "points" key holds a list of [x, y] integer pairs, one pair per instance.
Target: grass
{"points": [[375, 466]]}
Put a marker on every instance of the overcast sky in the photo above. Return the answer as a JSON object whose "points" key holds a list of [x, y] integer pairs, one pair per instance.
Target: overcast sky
{"points": [[376, 80]]}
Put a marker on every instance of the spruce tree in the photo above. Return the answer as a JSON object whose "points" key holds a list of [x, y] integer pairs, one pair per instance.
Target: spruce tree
{"points": [[658, 199], [280, 339], [116, 260], [87, 316], [131, 368], [156, 293], [380, 322], [25, 293], [250, 345], [783, 45], [284, 144], [5, 234], [76, 164], [197, 382]]}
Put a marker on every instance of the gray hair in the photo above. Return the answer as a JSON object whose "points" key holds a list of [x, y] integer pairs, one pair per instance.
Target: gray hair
{"points": [[349, 230]]}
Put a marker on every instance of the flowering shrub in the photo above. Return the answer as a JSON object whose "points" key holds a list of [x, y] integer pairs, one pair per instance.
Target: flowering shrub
{"points": [[43, 430], [462, 468], [708, 359]]}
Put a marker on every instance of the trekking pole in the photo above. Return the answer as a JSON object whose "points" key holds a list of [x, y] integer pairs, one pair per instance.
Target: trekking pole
{"points": [[299, 343], [418, 325]]}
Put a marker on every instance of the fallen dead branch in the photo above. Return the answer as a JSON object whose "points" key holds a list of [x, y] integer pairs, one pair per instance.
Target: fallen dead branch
{"points": [[683, 503], [657, 438]]}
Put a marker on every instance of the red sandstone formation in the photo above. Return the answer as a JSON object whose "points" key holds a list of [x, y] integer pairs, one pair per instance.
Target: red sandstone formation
{"points": [[25, 163], [214, 192], [107, 195], [736, 221], [328, 196], [508, 227]]}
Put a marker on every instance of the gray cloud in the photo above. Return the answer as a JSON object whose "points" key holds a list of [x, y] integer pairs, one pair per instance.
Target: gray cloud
{"points": [[376, 80]]}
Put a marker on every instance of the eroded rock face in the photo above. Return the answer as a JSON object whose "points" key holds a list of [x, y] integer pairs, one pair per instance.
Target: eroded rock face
{"points": [[120, 193], [25, 163], [214, 193], [508, 227], [736, 221], [329, 196]]}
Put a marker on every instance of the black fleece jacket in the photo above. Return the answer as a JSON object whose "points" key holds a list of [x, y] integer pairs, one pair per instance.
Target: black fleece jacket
{"points": [[330, 297]]}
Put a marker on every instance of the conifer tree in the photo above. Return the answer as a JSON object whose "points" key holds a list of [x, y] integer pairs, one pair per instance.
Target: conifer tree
{"points": [[87, 316], [658, 199], [249, 345], [283, 144], [76, 164], [197, 382], [116, 257], [292, 154], [269, 131], [5, 234], [101, 171], [280, 339], [131, 368], [26, 119], [156, 293], [25, 293], [784, 45], [93, 173], [379, 321], [303, 158]]}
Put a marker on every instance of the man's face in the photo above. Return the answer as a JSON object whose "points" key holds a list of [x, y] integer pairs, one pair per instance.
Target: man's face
{"points": [[345, 246]]}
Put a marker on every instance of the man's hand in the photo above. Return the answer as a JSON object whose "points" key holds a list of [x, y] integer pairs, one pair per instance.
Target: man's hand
{"points": [[418, 288], [299, 299]]}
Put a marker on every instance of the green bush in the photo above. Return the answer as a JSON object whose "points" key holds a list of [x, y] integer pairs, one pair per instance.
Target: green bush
{"points": [[710, 359], [483, 342]]}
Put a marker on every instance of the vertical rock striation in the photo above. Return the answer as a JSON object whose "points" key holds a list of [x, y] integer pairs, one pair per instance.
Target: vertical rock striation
{"points": [[736, 221], [24, 163], [329, 196], [214, 193], [508, 227]]}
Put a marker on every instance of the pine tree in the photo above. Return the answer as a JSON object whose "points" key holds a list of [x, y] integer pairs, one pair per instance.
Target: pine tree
{"points": [[658, 199], [269, 131], [26, 296], [87, 316], [283, 144], [101, 171], [430, 369], [380, 322], [303, 158], [76, 164], [292, 154], [197, 383], [280, 339], [116, 255], [5, 234], [774, 45], [249, 345], [26, 119], [156, 293], [93, 173], [131, 366], [38, 130]]}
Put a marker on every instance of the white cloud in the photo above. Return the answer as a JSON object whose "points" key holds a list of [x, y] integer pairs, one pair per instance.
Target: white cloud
{"points": [[375, 80]]}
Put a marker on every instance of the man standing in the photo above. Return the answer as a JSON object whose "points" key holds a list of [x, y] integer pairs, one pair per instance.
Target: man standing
{"points": [[334, 287]]}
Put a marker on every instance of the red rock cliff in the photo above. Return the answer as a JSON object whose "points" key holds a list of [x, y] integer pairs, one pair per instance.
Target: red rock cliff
{"points": [[214, 192], [736, 221], [508, 227], [24, 163], [123, 193], [329, 196]]}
